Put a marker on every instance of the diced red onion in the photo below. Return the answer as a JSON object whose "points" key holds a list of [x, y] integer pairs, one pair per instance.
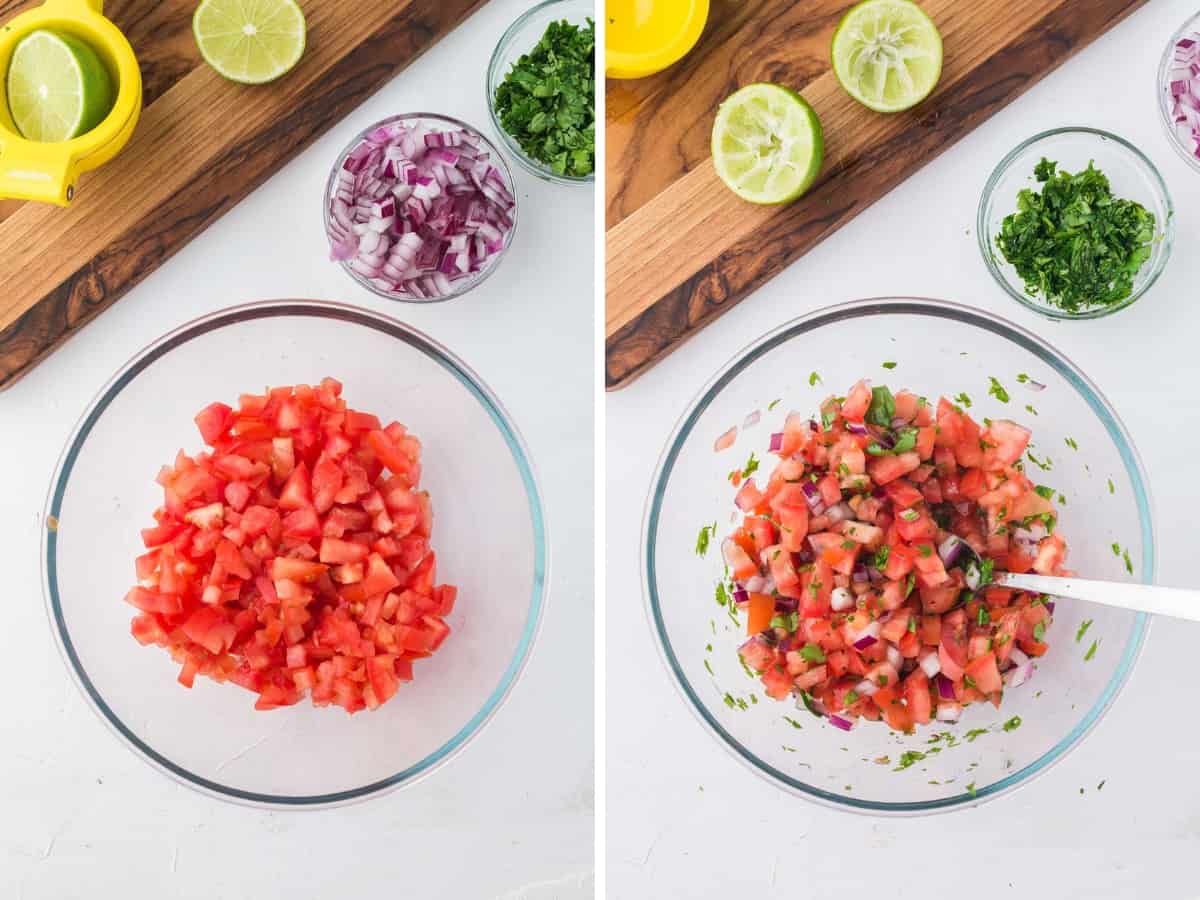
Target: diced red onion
{"points": [[949, 712], [874, 574], [785, 645], [786, 604], [1050, 607], [883, 438], [895, 657], [899, 423], [1021, 671], [945, 687], [950, 550], [879, 492], [860, 574], [839, 512], [813, 426], [841, 599], [972, 576], [811, 494], [754, 584], [839, 722], [776, 442], [867, 636], [856, 428], [740, 597], [866, 688], [1183, 88], [803, 557], [414, 211], [931, 664]]}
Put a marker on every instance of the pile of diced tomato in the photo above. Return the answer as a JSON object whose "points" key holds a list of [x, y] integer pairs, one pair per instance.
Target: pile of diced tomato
{"points": [[837, 565], [292, 557]]}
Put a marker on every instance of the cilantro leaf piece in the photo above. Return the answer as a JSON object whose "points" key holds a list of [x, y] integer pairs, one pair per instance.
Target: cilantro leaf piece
{"points": [[883, 407]]}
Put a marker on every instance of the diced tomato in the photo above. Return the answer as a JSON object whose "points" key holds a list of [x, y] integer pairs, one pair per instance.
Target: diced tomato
{"points": [[917, 697], [858, 400], [903, 495], [213, 421]]}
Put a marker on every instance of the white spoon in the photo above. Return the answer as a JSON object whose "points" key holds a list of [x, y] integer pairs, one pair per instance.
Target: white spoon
{"points": [[1151, 598]]}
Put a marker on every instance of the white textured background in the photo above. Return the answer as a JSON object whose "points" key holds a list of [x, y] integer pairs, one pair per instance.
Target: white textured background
{"points": [[1137, 838], [82, 817]]}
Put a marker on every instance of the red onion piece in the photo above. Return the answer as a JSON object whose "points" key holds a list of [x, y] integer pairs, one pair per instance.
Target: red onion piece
{"points": [[740, 597], [931, 665], [856, 428], [776, 442], [813, 496], [949, 711], [950, 550], [841, 599], [860, 574], [839, 722], [864, 642], [786, 604], [945, 687], [415, 210], [866, 688]]}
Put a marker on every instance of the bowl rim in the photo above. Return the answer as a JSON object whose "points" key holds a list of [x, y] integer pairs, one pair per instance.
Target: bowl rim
{"points": [[937, 309], [465, 285], [982, 231], [1162, 88], [493, 73], [417, 340]]}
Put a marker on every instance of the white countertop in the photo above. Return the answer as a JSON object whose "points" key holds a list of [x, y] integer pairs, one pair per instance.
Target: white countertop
{"points": [[512, 815], [685, 818]]}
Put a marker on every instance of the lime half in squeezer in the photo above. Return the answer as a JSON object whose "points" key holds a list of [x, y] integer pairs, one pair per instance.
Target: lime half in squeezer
{"points": [[57, 87], [767, 144]]}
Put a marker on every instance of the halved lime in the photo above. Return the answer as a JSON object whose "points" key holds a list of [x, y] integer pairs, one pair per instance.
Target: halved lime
{"points": [[57, 87], [250, 41], [887, 54], [767, 144]]}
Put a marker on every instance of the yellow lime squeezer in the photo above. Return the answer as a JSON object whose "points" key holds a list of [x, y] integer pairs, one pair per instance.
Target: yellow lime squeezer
{"points": [[48, 172]]}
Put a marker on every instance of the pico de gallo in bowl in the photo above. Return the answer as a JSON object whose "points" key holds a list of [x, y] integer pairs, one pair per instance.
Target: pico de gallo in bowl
{"points": [[863, 558]]}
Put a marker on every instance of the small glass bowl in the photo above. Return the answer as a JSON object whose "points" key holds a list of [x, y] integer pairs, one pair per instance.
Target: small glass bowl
{"points": [[432, 121], [521, 37], [1132, 175], [936, 348], [477, 470], [1163, 87]]}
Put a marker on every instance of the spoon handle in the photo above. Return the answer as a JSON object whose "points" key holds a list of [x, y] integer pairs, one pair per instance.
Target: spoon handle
{"points": [[1163, 601]]}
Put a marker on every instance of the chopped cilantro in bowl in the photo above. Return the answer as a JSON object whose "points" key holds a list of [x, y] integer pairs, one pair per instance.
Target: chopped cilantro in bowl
{"points": [[541, 90], [1075, 223]]}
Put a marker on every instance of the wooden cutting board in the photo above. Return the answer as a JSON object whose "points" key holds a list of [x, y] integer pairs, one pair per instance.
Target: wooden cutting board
{"points": [[682, 249], [203, 143]]}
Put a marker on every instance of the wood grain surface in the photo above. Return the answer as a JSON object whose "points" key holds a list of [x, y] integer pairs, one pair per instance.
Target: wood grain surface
{"points": [[682, 249], [203, 143]]}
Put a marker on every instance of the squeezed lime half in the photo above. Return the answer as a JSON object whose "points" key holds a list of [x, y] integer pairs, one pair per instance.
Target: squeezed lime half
{"points": [[57, 87], [767, 144], [250, 41], [887, 54]]}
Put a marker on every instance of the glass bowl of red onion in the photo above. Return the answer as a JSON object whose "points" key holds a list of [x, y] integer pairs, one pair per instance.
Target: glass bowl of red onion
{"points": [[1179, 90], [420, 208], [936, 349]]}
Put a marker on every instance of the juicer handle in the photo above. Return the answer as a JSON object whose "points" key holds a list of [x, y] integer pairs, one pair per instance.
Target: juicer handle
{"points": [[45, 177]]}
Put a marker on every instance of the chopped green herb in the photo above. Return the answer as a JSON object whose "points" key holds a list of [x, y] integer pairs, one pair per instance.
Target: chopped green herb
{"points": [[751, 466], [793, 722], [1112, 489], [925, 550], [1045, 492], [1083, 629], [710, 671], [881, 557], [974, 733], [1029, 409], [971, 789], [1044, 466], [810, 704], [547, 101], [907, 758], [969, 681], [1070, 442], [1013, 724], [708, 648], [787, 621], [912, 624], [773, 404], [814, 379], [909, 515], [910, 584], [889, 365], [1091, 651], [906, 440], [702, 539], [883, 407], [963, 400], [982, 618], [851, 697], [1100, 786], [722, 594], [1116, 549], [728, 698], [843, 469], [1074, 243], [1128, 561], [997, 390], [849, 545], [1039, 631], [827, 419], [1022, 377]]}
